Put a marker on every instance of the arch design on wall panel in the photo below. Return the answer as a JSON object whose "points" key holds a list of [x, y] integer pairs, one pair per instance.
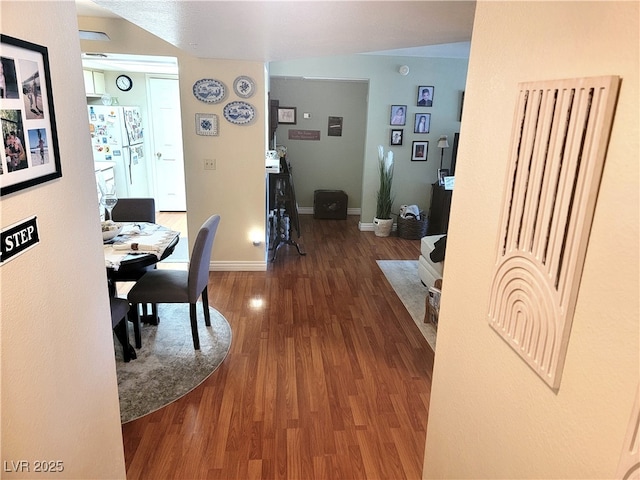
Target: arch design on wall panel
{"points": [[629, 465], [559, 141]]}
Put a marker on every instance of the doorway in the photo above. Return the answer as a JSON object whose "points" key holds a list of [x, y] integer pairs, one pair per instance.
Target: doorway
{"points": [[159, 102], [167, 154]]}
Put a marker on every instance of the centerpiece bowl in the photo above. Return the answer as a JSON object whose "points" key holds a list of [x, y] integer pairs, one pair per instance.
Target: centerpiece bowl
{"points": [[110, 230]]}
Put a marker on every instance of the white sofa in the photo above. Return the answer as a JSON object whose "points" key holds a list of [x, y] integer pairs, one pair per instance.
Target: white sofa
{"points": [[428, 270]]}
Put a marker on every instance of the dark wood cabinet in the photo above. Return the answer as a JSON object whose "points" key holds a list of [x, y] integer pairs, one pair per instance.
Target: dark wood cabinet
{"points": [[439, 210]]}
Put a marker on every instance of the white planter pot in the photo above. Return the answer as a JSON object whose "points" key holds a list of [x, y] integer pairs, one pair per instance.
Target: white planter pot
{"points": [[382, 226]]}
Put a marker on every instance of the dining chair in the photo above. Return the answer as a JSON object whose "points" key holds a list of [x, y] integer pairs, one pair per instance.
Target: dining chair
{"points": [[133, 210], [180, 286], [119, 312]]}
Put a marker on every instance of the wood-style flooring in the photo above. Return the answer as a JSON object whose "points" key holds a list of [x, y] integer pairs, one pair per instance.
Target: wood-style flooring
{"points": [[173, 220], [327, 377]]}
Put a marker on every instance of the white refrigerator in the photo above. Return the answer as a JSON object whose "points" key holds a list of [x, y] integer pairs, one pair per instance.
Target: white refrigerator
{"points": [[117, 137]]}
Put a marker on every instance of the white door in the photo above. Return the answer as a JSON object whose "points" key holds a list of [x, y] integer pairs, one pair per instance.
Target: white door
{"points": [[167, 144]]}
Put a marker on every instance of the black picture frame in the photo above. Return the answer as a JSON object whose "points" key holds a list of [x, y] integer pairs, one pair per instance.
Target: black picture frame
{"points": [[419, 126], [287, 115], [334, 127], [442, 172], [425, 96], [398, 115], [30, 154], [396, 136], [419, 151]]}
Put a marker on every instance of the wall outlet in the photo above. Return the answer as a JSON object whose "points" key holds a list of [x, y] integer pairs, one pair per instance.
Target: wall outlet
{"points": [[209, 163]]}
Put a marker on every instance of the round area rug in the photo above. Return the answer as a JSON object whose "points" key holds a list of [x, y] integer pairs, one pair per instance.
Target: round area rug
{"points": [[167, 366]]}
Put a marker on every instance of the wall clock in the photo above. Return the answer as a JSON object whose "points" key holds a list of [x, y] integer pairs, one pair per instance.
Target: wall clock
{"points": [[124, 83]]}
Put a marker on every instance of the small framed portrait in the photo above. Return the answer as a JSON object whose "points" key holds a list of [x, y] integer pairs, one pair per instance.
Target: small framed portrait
{"points": [[398, 115], [422, 123], [442, 172], [425, 96], [287, 115], [419, 151], [396, 136]]}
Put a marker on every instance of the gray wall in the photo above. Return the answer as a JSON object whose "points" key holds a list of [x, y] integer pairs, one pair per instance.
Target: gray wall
{"points": [[412, 180], [333, 162]]}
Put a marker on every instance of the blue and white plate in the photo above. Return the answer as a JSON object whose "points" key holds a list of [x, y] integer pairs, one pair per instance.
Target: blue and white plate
{"points": [[239, 113], [244, 86], [209, 90]]}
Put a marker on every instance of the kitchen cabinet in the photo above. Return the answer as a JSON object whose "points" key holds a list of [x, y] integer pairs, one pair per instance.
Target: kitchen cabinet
{"points": [[94, 84]]}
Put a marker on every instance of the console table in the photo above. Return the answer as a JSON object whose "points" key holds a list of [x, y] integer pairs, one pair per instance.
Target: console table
{"points": [[283, 210]]}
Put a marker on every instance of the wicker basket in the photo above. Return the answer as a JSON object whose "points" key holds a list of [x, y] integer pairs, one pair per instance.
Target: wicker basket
{"points": [[413, 229]]}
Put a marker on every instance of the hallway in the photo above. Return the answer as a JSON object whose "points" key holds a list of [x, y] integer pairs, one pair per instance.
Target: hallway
{"points": [[327, 376]]}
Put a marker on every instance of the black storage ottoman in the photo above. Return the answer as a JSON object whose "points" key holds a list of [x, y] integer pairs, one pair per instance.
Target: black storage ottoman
{"points": [[330, 204]]}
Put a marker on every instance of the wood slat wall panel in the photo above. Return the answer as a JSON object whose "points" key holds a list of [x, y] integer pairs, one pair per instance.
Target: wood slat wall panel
{"points": [[559, 141]]}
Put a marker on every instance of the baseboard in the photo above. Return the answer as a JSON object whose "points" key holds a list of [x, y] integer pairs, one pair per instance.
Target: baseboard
{"points": [[370, 227], [365, 227], [309, 211], [238, 266]]}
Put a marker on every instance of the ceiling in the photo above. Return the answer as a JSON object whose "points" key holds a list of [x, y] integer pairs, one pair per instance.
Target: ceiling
{"points": [[269, 31]]}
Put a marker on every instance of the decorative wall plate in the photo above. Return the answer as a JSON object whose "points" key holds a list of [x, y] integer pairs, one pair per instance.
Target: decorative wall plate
{"points": [[239, 113], [244, 86], [209, 90], [206, 124]]}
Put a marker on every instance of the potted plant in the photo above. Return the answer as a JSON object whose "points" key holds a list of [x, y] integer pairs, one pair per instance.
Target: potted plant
{"points": [[383, 221]]}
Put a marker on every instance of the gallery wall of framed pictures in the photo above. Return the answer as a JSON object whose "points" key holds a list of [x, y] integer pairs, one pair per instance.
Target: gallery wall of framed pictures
{"points": [[30, 154], [415, 117]]}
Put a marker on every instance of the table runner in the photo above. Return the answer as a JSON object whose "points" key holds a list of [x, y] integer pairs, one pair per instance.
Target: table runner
{"points": [[135, 239]]}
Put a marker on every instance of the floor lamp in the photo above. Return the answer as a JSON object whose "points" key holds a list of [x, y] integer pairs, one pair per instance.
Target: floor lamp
{"points": [[442, 144]]}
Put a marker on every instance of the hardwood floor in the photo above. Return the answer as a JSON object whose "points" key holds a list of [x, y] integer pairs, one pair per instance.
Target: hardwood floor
{"points": [[174, 220], [327, 377]]}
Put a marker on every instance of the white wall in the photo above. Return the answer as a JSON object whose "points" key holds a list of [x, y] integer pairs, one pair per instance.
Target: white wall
{"points": [[59, 392], [490, 416]]}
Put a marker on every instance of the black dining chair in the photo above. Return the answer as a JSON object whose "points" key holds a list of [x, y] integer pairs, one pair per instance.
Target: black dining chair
{"points": [[133, 210], [180, 286], [119, 312]]}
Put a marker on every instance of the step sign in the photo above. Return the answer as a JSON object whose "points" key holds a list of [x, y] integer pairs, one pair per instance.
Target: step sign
{"points": [[18, 238]]}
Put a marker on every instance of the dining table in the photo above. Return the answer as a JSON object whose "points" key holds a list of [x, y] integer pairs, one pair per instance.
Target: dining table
{"points": [[138, 246]]}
